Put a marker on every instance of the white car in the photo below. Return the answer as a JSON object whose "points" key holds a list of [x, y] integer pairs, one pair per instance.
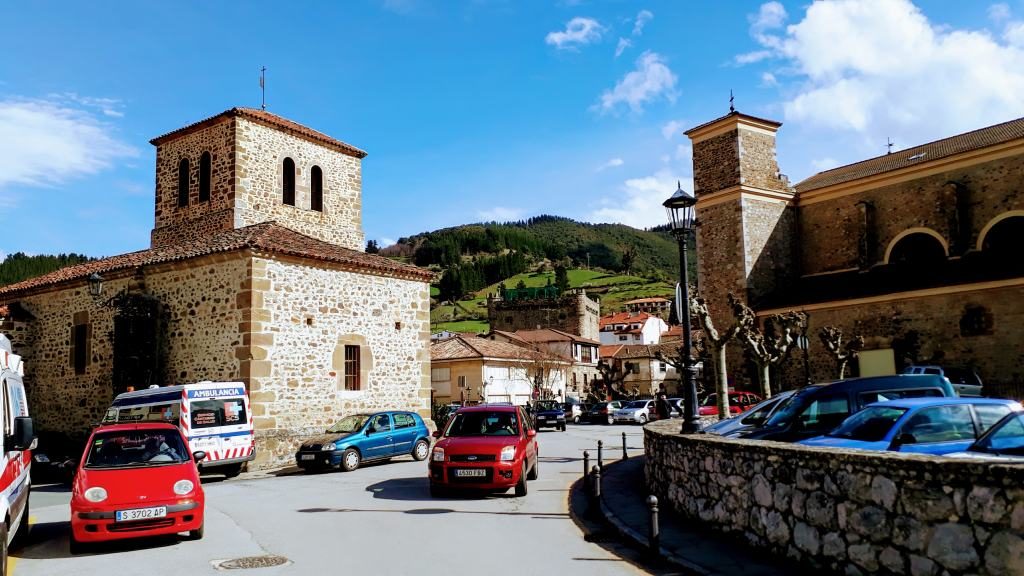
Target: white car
{"points": [[573, 412], [637, 411]]}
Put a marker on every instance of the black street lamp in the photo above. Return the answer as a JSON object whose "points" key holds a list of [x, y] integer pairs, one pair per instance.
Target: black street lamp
{"points": [[680, 208], [803, 343]]}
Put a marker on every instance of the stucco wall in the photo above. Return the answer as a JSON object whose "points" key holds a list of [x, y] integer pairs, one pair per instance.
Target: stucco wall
{"points": [[301, 315], [845, 511]]}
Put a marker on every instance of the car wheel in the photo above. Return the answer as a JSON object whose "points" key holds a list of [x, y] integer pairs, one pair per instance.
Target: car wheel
{"points": [[575, 419], [421, 450], [21, 536], [611, 419], [521, 485], [643, 419], [197, 534], [534, 472], [74, 546], [350, 460], [3, 549], [232, 470]]}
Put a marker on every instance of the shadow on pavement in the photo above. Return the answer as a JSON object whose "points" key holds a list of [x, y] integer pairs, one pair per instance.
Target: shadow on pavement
{"points": [[50, 540], [52, 488], [418, 490], [438, 511]]}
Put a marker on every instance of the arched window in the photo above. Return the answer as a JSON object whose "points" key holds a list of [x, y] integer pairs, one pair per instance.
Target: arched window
{"points": [[288, 179], [183, 182], [1005, 238], [316, 189], [204, 177], [918, 252]]}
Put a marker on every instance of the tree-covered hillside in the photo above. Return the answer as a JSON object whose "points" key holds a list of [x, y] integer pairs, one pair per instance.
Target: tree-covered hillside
{"points": [[19, 266]]}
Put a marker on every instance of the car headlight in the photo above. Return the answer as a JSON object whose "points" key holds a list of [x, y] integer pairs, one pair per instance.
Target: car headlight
{"points": [[95, 494], [329, 447], [182, 487], [438, 454], [508, 453]]}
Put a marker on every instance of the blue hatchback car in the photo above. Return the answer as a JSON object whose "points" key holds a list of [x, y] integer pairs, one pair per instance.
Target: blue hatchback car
{"points": [[365, 437], [918, 425]]}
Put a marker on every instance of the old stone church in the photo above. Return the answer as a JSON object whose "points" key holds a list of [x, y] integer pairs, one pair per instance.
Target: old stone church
{"points": [[918, 251], [255, 273]]}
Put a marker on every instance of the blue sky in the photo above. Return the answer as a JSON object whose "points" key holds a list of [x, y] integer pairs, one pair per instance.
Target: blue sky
{"points": [[477, 109]]}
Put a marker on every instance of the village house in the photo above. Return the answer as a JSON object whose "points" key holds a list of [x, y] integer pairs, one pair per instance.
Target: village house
{"points": [[255, 273], [582, 352], [630, 328], [657, 306], [645, 373], [472, 369]]}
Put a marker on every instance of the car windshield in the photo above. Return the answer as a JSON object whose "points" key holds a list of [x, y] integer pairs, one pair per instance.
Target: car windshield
{"points": [[710, 400], [1006, 437], [637, 404], [785, 414], [136, 448], [870, 424], [348, 424], [761, 412], [546, 405], [504, 423]]}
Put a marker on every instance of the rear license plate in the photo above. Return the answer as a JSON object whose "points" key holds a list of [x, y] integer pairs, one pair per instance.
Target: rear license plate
{"points": [[140, 514], [470, 473], [307, 456]]}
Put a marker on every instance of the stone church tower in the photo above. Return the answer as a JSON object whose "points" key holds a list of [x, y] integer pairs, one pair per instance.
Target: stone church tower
{"points": [[745, 221]]}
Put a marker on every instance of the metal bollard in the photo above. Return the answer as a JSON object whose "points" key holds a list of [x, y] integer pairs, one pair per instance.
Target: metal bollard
{"points": [[654, 533], [600, 459], [624, 454], [586, 468], [597, 483]]}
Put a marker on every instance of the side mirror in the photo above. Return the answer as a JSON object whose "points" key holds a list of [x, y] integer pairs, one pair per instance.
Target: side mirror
{"points": [[198, 456], [23, 436], [436, 433], [531, 433], [902, 439]]}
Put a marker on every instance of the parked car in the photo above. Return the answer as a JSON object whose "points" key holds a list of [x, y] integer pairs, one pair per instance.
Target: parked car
{"points": [[1003, 441], [965, 381], [739, 402], [918, 425], [574, 411], [548, 413], [365, 437], [136, 480], [485, 447], [819, 408], [603, 412], [756, 416], [676, 406], [635, 412]]}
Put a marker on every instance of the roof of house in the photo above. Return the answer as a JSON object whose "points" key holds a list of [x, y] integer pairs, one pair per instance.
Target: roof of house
{"points": [[550, 335], [623, 318], [466, 347], [966, 142], [733, 113], [648, 301], [272, 120], [266, 237], [637, 351], [673, 333]]}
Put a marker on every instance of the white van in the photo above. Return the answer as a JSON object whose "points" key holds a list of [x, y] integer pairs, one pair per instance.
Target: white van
{"points": [[214, 416], [17, 442]]}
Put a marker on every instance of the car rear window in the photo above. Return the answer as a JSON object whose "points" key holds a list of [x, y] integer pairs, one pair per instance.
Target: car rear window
{"points": [[940, 424], [212, 413], [989, 414]]}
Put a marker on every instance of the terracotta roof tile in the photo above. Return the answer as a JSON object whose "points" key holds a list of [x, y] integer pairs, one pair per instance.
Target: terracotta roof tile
{"points": [[267, 118], [550, 335], [966, 142], [464, 347], [267, 237], [648, 301], [624, 318]]}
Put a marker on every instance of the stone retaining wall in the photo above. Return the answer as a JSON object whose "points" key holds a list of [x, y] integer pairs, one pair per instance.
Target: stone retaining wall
{"points": [[846, 511]]}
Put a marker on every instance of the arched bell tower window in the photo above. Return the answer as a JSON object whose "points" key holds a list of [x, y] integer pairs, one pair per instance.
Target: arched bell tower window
{"points": [[316, 188], [204, 177], [183, 182], [288, 180]]}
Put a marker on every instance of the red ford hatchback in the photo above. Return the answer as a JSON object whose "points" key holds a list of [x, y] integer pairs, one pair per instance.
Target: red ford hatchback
{"points": [[485, 447], [136, 480]]}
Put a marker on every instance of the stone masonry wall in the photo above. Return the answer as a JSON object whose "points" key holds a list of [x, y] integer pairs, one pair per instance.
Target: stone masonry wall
{"points": [[767, 246], [573, 313], [259, 185], [831, 229], [202, 315], [758, 164], [301, 318], [845, 511], [175, 224], [721, 257], [716, 164]]}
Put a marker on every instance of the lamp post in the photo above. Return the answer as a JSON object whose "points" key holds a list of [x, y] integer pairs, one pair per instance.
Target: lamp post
{"points": [[803, 343], [680, 208]]}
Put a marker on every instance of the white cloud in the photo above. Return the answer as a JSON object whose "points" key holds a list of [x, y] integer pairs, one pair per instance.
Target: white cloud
{"points": [[385, 242], [639, 204], [672, 128], [642, 18], [752, 57], [822, 164], [500, 214], [49, 141], [684, 152], [880, 67], [769, 79], [623, 44], [1014, 34], [578, 32], [651, 80], [612, 163], [999, 12]]}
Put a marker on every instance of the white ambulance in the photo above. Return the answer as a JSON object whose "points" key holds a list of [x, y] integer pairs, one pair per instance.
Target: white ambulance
{"points": [[15, 455], [214, 417]]}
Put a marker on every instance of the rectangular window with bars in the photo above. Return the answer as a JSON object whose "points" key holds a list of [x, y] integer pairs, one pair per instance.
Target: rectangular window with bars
{"points": [[352, 368]]}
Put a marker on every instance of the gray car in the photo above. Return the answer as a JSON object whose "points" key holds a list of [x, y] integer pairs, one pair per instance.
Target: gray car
{"points": [[732, 427]]}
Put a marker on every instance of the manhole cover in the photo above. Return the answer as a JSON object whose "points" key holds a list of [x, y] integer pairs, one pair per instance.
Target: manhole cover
{"points": [[250, 562]]}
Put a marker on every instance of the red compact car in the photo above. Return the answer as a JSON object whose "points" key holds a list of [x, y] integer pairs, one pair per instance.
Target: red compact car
{"points": [[136, 480], [739, 402], [484, 447]]}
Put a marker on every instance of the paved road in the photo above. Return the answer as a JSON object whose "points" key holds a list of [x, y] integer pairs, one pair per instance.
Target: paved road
{"points": [[378, 520]]}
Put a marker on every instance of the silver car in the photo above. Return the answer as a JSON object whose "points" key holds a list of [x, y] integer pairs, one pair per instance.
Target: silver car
{"points": [[635, 412]]}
